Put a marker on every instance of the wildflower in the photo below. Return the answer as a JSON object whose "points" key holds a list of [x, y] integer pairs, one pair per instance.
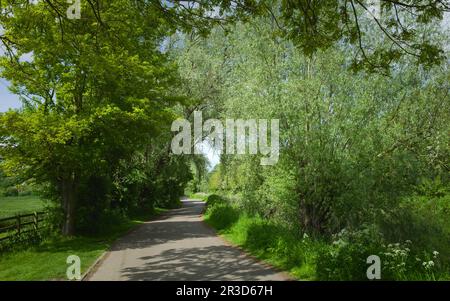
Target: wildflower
{"points": [[428, 265]]}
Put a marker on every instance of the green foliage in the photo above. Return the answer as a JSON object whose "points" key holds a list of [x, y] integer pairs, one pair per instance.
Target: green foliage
{"points": [[199, 196], [422, 218], [346, 258], [95, 125], [351, 150], [199, 169], [313, 258], [214, 199], [406, 28], [15, 186], [99, 95], [399, 261], [356, 148], [267, 240], [320, 25], [214, 180], [221, 215]]}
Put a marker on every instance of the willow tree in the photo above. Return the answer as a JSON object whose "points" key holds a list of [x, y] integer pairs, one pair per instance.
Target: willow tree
{"points": [[352, 144]]}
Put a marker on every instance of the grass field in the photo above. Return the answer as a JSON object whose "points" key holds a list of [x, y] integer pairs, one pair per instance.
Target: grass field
{"points": [[10, 206], [47, 261]]}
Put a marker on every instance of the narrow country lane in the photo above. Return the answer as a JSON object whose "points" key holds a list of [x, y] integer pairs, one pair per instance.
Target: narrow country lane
{"points": [[179, 246]]}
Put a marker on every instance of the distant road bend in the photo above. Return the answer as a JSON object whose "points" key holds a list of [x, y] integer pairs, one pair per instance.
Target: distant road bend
{"points": [[179, 246]]}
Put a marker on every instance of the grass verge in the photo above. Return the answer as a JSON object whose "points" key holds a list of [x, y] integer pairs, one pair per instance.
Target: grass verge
{"points": [[265, 240], [47, 261]]}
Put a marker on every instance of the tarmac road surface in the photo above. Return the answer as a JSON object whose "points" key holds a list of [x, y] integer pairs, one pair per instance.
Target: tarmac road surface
{"points": [[179, 246]]}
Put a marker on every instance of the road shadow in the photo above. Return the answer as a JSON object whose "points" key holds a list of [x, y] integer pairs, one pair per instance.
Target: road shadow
{"points": [[202, 263], [175, 225], [180, 247]]}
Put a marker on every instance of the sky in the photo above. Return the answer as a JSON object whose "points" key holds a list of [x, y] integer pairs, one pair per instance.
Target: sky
{"points": [[212, 155], [7, 99]]}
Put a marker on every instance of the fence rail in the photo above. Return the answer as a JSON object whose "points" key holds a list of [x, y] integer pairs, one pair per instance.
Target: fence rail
{"points": [[18, 225]]}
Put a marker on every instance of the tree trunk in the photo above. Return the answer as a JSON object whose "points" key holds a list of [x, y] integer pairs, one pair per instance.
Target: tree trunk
{"points": [[69, 197]]}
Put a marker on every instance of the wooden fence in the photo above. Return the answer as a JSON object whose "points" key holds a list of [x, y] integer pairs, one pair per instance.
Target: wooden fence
{"points": [[18, 225]]}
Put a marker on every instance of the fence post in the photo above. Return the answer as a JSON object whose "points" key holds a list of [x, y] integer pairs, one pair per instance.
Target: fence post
{"points": [[18, 224], [36, 220]]}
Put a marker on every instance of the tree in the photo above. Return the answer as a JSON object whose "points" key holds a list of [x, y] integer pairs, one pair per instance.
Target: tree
{"points": [[352, 145], [319, 25], [95, 91]]}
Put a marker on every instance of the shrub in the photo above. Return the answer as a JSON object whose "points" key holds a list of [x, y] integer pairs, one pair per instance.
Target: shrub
{"points": [[276, 243], [221, 216], [11, 191], [214, 180], [105, 220], [346, 258], [422, 218], [214, 199], [264, 235]]}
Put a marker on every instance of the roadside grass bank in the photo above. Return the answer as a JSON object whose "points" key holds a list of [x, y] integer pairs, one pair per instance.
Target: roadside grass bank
{"points": [[265, 240], [47, 260], [343, 257]]}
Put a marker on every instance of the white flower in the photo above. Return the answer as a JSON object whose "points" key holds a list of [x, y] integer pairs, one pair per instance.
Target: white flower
{"points": [[435, 253], [428, 265]]}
